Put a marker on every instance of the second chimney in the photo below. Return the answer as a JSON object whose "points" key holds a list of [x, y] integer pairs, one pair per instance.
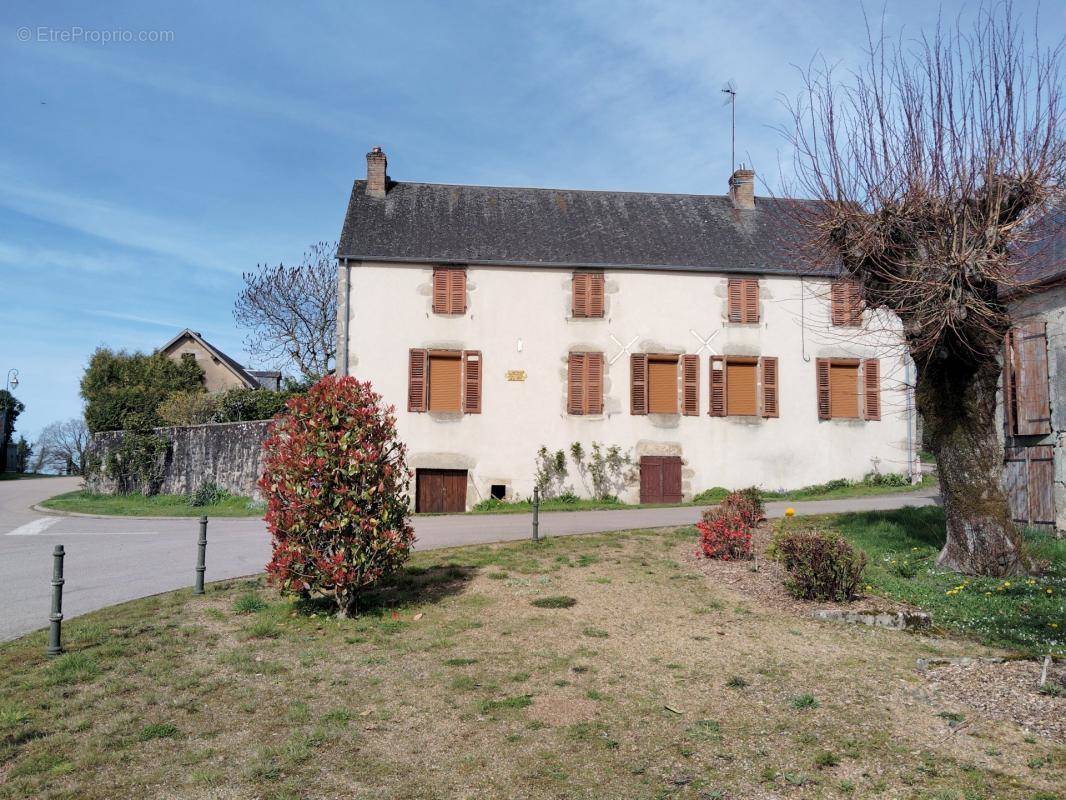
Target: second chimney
{"points": [[376, 177], [742, 189]]}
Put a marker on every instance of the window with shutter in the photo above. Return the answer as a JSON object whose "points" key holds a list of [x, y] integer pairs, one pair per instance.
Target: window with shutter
{"points": [[471, 381], [416, 380], [769, 386], [690, 385], [743, 297], [846, 303], [740, 396], [717, 372], [662, 384], [638, 383], [1026, 380], [844, 389], [588, 299], [445, 380], [871, 389], [584, 383], [449, 290]]}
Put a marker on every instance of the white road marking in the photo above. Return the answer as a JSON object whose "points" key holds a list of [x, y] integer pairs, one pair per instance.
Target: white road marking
{"points": [[101, 533], [34, 528]]}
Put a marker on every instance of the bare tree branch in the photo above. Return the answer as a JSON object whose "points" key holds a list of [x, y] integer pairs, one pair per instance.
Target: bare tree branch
{"points": [[292, 312]]}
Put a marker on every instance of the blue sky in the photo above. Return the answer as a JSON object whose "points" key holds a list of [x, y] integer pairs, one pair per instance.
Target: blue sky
{"points": [[138, 179]]}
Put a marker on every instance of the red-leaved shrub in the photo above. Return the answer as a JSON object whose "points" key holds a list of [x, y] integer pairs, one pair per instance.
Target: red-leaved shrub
{"points": [[724, 535], [335, 480], [741, 505]]}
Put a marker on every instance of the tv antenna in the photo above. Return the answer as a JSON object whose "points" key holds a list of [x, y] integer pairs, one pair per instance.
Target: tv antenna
{"points": [[730, 89]]}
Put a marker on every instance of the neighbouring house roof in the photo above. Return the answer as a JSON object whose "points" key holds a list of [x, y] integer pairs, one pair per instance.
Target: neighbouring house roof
{"points": [[438, 223], [246, 377], [1045, 265]]}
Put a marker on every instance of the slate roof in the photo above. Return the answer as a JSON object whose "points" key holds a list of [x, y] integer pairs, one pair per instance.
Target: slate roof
{"points": [[439, 223], [1046, 261]]}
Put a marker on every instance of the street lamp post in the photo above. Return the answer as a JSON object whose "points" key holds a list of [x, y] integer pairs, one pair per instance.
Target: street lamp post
{"points": [[12, 382]]}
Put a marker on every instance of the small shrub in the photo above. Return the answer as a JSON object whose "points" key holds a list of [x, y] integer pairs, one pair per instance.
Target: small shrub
{"points": [[567, 497], [724, 535], [555, 601], [712, 496], [753, 494], [550, 472], [491, 504], [207, 494], [188, 408], [886, 479], [247, 405], [820, 566], [741, 505], [249, 603]]}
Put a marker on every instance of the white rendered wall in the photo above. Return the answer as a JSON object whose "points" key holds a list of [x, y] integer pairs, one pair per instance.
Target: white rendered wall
{"points": [[519, 318]]}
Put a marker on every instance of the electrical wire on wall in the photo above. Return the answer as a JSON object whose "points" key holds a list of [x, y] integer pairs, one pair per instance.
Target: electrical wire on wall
{"points": [[803, 321]]}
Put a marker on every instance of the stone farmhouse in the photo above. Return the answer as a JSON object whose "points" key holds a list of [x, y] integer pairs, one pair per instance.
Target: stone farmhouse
{"points": [[684, 329], [221, 372]]}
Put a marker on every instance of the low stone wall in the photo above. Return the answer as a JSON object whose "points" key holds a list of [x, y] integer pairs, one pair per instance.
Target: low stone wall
{"points": [[229, 454]]}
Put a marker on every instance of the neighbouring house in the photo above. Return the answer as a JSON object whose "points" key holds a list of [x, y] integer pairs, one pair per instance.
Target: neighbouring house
{"points": [[684, 329], [1033, 400], [220, 371]]}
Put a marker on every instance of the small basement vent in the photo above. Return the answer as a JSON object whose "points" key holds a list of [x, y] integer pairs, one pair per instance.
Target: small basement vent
{"points": [[498, 491]]}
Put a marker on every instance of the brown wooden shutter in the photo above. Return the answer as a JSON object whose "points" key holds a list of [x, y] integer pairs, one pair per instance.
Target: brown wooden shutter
{"points": [[440, 290], [581, 294], [839, 302], [638, 383], [1033, 404], [871, 388], [457, 291], [768, 365], [736, 301], [472, 381], [822, 370], [751, 301], [596, 286], [1029, 478], [416, 380], [690, 385], [717, 386], [855, 304], [594, 383], [575, 384]]}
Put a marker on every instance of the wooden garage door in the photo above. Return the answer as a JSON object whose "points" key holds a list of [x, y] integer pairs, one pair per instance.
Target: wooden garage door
{"points": [[440, 490], [660, 479]]}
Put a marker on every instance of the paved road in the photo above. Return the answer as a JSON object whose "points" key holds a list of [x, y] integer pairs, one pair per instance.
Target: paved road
{"points": [[112, 560]]}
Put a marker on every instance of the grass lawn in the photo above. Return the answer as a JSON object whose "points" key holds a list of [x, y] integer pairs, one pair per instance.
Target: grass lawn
{"points": [[830, 491], [1027, 614], [161, 505], [583, 667]]}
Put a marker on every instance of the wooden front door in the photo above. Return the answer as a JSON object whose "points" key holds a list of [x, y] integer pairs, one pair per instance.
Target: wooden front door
{"points": [[660, 479], [440, 490]]}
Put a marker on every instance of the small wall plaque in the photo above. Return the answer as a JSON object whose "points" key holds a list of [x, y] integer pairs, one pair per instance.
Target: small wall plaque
{"points": [[516, 374]]}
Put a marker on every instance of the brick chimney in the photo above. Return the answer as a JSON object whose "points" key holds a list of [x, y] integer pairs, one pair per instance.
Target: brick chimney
{"points": [[742, 189], [376, 177]]}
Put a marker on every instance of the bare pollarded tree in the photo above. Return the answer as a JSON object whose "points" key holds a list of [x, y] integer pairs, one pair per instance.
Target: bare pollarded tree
{"points": [[291, 312], [932, 162], [61, 446]]}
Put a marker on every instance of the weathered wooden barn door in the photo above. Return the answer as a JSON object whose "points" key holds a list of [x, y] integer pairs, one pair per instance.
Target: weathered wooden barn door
{"points": [[440, 490], [660, 479], [1028, 477]]}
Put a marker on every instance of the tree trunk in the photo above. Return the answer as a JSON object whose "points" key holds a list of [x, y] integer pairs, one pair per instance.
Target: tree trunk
{"points": [[957, 400]]}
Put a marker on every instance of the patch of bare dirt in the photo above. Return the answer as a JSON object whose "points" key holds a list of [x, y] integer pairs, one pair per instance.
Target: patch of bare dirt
{"points": [[1004, 691], [763, 579], [558, 710]]}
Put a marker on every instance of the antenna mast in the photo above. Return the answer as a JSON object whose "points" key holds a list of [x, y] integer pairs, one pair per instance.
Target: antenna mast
{"points": [[731, 90]]}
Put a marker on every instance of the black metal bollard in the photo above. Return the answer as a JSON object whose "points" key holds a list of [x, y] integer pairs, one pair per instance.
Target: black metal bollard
{"points": [[536, 513], [55, 631], [201, 557]]}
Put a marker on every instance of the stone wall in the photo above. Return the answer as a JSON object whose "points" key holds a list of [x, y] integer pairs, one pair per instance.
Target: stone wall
{"points": [[229, 454]]}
